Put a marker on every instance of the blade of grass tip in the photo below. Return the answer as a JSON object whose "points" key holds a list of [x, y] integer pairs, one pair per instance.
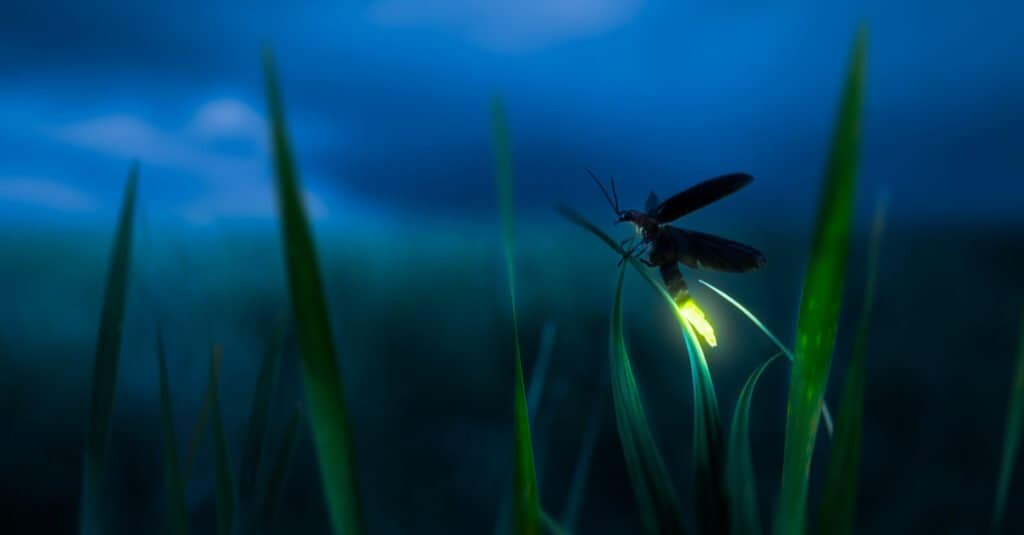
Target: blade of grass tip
{"points": [[580, 473], [104, 372], [321, 378], [525, 500], [826, 416], [1011, 439], [652, 487], [225, 486], [259, 415], [177, 514], [551, 525], [279, 471], [838, 498], [535, 390], [709, 481], [739, 468], [822, 293]]}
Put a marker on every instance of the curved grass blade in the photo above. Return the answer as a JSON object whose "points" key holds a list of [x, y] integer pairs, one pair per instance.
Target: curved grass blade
{"points": [[836, 510], [709, 480], [259, 415], [279, 471], [225, 486], [91, 512], [1011, 440], [652, 487], [826, 416], [526, 503], [819, 307], [324, 392], [177, 513], [741, 481]]}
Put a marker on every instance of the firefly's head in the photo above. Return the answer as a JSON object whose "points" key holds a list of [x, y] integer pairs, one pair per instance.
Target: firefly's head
{"points": [[644, 223]]}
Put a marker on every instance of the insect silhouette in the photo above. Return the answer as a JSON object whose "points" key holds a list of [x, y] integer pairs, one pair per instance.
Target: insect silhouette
{"points": [[667, 246]]}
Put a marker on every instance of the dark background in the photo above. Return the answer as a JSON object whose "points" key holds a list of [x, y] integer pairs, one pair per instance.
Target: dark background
{"points": [[388, 106]]}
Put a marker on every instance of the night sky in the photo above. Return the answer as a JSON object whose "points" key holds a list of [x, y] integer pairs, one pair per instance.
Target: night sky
{"points": [[389, 105]]}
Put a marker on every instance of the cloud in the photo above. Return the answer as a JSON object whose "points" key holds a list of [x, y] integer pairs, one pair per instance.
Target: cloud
{"points": [[234, 184], [516, 26], [45, 193]]}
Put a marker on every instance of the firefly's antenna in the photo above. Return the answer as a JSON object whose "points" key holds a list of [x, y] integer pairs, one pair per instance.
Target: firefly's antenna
{"points": [[613, 199]]}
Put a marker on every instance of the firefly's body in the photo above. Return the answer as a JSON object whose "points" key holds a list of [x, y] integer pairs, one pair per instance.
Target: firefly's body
{"points": [[667, 246]]}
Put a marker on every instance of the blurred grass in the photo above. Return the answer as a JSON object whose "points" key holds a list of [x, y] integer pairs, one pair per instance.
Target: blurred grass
{"points": [[279, 473], [1011, 439], [741, 480], [91, 520], [177, 513], [222, 463], [259, 415], [324, 392], [822, 294], [838, 498], [526, 503], [655, 495]]}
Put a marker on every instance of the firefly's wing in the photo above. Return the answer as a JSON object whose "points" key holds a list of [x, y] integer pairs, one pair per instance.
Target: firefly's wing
{"points": [[652, 203], [699, 196], [705, 251]]}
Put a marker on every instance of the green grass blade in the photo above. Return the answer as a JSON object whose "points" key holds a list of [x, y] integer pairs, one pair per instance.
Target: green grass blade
{"points": [[202, 419], [225, 486], [177, 513], [259, 415], [652, 487], [741, 481], [321, 378], [836, 510], [709, 463], [104, 372], [526, 504], [826, 416], [580, 473], [819, 307], [1011, 439], [279, 470]]}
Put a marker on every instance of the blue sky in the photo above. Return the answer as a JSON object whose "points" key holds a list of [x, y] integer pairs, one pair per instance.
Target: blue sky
{"points": [[388, 103]]}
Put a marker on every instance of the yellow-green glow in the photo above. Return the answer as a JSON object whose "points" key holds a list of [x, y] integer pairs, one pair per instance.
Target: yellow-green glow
{"points": [[693, 315]]}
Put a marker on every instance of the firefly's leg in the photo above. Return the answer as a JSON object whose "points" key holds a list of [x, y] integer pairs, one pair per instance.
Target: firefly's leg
{"points": [[674, 282]]}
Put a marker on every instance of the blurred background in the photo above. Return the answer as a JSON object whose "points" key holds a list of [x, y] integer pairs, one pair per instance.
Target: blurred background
{"points": [[388, 105]]}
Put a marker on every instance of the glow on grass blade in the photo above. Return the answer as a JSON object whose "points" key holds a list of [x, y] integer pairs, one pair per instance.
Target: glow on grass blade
{"points": [[1011, 438], [826, 416]]}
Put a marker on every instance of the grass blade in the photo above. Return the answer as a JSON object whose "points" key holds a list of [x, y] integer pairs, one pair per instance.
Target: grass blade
{"points": [[709, 480], [836, 511], [580, 473], [177, 513], [321, 378], [1011, 440], [279, 471], [104, 372], [526, 503], [225, 486], [826, 416], [819, 307], [259, 415], [652, 487], [202, 419], [741, 481]]}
